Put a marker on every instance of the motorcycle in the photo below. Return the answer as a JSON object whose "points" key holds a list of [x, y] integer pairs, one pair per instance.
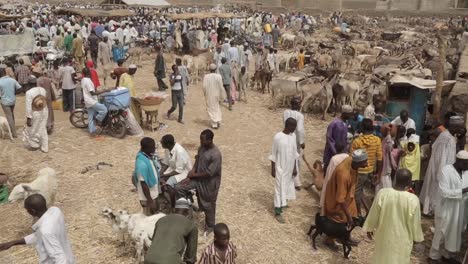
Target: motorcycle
{"points": [[113, 124]]}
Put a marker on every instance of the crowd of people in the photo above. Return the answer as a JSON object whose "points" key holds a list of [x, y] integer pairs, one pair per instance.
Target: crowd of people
{"points": [[379, 175], [374, 167]]}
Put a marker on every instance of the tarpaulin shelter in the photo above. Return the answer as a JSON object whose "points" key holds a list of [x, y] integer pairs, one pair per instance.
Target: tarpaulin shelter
{"points": [[17, 44], [147, 3], [95, 12]]}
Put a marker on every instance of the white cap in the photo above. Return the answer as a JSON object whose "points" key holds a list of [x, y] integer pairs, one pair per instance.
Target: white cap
{"points": [[132, 66], [463, 154]]}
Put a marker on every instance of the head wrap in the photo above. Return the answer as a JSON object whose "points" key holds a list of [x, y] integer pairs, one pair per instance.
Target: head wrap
{"points": [[347, 109], [212, 66], [463, 154], [182, 203], [359, 155]]}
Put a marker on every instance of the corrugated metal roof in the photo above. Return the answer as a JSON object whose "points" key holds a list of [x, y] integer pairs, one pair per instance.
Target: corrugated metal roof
{"points": [[418, 82]]}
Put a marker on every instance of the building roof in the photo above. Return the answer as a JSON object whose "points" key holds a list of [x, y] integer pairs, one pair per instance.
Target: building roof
{"points": [[152, 3], [418, 82], [96, 12]]}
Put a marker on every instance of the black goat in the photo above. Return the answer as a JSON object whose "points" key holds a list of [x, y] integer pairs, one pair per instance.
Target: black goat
{"points": [[323, 225]]}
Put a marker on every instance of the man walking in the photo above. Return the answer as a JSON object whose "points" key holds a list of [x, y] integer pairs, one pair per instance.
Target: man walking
{"points": [[225, 72], [50, 233], [173, 235], [214, 92], [67, 77], [8, 89], [160, 69], [395, 219], [443, 153], [205, 177], [93, 43], [337, 131], [78, 52], [299, 132], [177, 94], [283, 159], [105, 58], [46, 83], [450, 210], [184, 72]]}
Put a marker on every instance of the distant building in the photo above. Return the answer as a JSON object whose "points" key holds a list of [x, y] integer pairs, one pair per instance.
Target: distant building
{"points": [[417, 5]]}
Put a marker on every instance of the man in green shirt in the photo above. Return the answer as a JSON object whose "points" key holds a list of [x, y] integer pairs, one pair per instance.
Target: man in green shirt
{"points": [[68, 41], [174, 234]]}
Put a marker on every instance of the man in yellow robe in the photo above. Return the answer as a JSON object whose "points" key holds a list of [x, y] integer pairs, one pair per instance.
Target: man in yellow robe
{"points": [[395, 219], [127, 80]]}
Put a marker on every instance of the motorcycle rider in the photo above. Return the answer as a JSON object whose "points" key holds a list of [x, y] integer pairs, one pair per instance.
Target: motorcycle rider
{"points": [[95, 109]]}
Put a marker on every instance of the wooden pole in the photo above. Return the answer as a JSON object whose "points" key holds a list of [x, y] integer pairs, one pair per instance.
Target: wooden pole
{"points": [[439, 78]]}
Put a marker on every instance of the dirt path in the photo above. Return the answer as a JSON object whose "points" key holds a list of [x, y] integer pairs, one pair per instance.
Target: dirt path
{"points": [[245, 201]]}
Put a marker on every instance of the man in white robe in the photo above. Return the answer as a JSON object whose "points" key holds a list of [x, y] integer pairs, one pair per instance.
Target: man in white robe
{"points": [[300, 134], [449, 214], [214, 92], [283, 159], [35, 133], [443, 153]]}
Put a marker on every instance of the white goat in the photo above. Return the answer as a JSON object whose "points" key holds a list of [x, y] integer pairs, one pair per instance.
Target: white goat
{"points": [[45, 184], [113, 220], [139, 227], [5, 128]]}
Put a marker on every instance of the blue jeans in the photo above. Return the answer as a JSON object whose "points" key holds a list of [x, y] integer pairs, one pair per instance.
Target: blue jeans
{"points": [[98, 111]]}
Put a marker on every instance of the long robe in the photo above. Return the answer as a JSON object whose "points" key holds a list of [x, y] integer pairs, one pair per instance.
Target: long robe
{"points": [[300, 138], [443, 153], [284, 154], [128, 81], [214, 92], [340, 190], [35, 136], [334, 162], [412, 161], [388, 164], [104, 53], [46, 83], [449, 211], [337, 131], [395, 218]]}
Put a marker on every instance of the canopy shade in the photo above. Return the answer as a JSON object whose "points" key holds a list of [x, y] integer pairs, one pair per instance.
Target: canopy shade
{"points": [[150, 3], [96, 12]]}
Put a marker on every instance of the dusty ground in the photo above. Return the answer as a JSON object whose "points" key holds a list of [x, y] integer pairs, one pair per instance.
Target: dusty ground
{"points": [[245, 201]]}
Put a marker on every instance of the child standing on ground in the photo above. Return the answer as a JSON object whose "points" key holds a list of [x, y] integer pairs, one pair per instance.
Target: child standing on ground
{"points": [[221, 251]]}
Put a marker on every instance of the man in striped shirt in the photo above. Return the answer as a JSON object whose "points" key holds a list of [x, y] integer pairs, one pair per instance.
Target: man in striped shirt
{"points": [[221, 251], [373, 146], [22, 75]]}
